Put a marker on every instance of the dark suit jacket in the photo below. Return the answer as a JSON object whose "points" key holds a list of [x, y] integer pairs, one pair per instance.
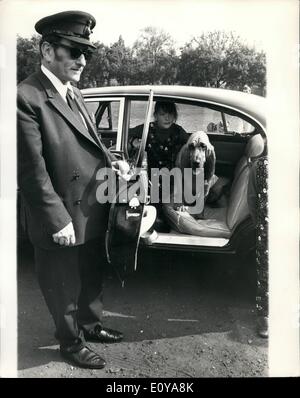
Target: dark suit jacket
{"points": [[57, 164]]}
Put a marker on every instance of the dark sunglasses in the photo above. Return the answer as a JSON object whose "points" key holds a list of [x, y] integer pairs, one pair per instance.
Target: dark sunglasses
{"points": [[75, 53]]}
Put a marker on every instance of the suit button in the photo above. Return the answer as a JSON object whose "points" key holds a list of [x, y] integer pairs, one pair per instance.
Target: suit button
{"points": [[77, 202], [75, 175]]}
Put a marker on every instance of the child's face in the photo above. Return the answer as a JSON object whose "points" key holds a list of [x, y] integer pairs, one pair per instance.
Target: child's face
{"points": [[164, 119]]}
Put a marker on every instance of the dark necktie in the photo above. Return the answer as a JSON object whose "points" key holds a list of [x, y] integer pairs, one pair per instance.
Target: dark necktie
{"points": [[72, 104]]}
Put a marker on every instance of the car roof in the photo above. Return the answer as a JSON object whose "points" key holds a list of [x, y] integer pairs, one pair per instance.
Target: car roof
{"points": [[249, 104]]}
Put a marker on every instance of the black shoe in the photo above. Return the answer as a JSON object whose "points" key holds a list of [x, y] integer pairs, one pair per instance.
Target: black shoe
{"points": [[103, 335], [84, 358]]}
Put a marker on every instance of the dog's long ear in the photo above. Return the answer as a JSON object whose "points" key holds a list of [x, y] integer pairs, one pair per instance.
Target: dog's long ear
{"points": [[201, 137], [210, 165], [182, 160]]}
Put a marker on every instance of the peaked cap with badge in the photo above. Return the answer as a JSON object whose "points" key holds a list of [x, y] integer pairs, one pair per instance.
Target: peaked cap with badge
{"points": [[75, 26], [63, 186], [59, 157]]}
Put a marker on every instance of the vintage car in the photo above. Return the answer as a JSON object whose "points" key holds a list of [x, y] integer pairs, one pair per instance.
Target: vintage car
{"points": [[236, 125]]}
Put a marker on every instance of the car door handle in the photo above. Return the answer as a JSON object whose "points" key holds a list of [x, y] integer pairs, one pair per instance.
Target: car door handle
{"points": [[129, 214]]}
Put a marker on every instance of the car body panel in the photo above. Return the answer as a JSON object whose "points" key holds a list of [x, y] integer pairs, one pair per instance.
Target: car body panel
{"points": [[228, 147]]}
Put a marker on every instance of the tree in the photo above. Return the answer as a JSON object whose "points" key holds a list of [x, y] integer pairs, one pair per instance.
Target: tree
{"points": [[96, 72], [220, 59], [28, 59], [154, 56], [214, 59], [120, 62], [108, 64]]}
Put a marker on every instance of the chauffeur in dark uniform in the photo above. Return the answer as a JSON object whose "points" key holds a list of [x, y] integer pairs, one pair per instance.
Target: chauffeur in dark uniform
{"points": [[59, 155]]}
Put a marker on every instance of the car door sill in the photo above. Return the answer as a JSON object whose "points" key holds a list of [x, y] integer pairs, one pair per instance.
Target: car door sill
{"points": [[174, 238]]}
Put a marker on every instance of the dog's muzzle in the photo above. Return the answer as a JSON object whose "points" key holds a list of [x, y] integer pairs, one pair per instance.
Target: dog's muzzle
{"points": [[197, 166]]}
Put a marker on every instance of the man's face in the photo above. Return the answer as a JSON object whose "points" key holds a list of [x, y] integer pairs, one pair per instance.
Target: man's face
{"points": [[65, 66]]}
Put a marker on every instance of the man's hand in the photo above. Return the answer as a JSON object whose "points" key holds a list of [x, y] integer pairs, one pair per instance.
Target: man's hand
{"points": [[66, 236], [182, 208], [122, 168]]}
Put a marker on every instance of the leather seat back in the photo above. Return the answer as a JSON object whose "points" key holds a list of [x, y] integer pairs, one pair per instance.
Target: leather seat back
{"points": [[238, 207]]}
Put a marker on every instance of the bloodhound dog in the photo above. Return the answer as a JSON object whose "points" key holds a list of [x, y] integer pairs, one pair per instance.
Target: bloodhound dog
{"points": [[198, 153]]}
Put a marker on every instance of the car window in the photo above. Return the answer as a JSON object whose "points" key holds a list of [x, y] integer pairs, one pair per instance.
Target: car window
{"points": [[92, 106], [238, 125], [193, 118], [108, 116], [137, 113]]}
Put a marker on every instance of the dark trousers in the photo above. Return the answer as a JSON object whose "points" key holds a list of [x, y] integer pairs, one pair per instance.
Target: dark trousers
{"points": [[71, 280]]}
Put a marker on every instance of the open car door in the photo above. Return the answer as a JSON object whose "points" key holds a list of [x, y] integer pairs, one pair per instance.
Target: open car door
{"points": [[129, 215]]}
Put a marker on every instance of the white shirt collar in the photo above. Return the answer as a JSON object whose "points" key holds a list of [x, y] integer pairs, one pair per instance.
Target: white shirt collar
{"points": [[60, 87]]}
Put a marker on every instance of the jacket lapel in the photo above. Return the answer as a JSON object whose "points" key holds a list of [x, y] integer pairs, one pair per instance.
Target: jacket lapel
{"points": [[84, 112], [92, 127], [62, 107]]}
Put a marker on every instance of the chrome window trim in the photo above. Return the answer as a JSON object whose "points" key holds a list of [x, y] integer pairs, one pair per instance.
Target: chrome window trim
{"points": [[193, 99]]}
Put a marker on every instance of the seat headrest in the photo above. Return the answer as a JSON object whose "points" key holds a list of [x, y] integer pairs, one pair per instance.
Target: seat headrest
{"points": [[255, 146]]}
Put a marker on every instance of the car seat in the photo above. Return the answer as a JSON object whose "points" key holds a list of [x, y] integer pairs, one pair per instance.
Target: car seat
{"points": [[220, 222]]}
